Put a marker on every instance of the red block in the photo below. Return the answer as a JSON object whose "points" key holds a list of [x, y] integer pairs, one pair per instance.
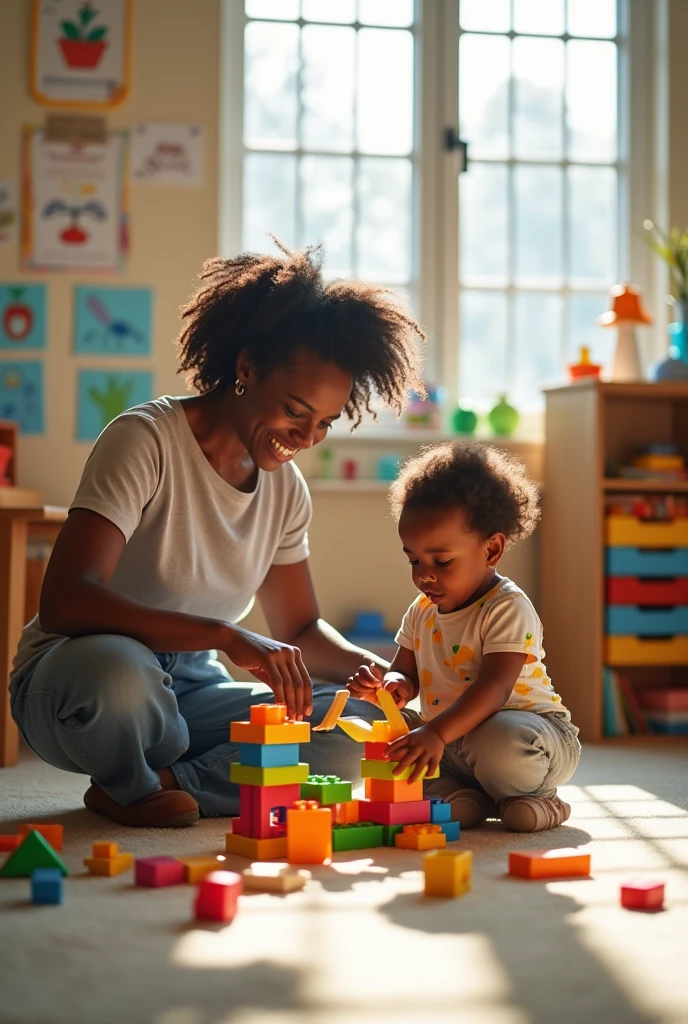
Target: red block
{"points": [[8, 843], [375, 751], [412, 812], [216, 897], [642, 895], [256, 807], [158, 871]]}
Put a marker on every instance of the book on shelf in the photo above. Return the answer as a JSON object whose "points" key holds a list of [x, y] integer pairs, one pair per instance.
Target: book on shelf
{"points": [[622, 713]]}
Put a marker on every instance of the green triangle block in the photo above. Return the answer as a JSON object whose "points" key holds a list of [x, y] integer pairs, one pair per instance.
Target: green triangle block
{"points": [[34, 852]]}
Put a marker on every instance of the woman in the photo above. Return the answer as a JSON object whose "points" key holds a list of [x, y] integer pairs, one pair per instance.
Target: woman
{"points": [[185, 510]]}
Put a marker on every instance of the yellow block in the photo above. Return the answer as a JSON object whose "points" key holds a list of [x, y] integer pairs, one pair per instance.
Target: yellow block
{"points": [[105, 849], [629, 531], [447, 872], [385, 770], [197, 868], [109, 865], [420, 837], [632, 650], [247, 775], [392, 714], [256, 849], [289, 732], [382, 732], [333, 712], [357, 728], [274, 878]]}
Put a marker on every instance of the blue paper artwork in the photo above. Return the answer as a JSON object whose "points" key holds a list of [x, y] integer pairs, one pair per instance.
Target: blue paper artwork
{"points": [[21, 395], [113, 321], [22, 316], [104, 394]]}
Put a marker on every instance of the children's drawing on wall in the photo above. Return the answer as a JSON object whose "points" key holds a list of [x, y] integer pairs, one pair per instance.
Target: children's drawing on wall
{"points": [[104, 394], [167, 154], [113, 321], [80, 52], [8, 213], [74, 204], [22, 316], [21, 395]]}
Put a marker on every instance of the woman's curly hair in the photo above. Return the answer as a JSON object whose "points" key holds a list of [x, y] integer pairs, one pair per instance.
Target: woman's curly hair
{"points": [[491, 487], [273, 306]]}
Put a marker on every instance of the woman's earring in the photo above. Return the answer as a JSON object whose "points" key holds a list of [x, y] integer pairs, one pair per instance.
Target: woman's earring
{"points": [[239, 387]]}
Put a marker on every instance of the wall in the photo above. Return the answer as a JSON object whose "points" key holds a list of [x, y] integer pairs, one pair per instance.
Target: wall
{"points": [[175, 75]]}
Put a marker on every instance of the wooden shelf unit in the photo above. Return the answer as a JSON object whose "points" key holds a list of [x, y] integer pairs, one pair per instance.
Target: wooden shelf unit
{"points": [[589, 427]]}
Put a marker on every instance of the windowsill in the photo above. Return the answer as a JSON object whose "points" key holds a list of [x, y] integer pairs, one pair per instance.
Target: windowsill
{"points": [[407, 435]]}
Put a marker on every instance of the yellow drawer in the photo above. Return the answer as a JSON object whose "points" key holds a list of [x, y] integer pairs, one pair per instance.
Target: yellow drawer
{"points": [[635, 650], [631, 532]]}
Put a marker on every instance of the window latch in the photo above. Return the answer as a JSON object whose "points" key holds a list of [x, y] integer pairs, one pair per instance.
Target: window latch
{"points": [[454, 144]]}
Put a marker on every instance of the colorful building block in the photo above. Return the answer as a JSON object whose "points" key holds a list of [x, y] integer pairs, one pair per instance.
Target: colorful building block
{"points": [[415, 812], [288, 732], [451, 829], [246, 775], [640, 894], [256, 849], [563, 863], [447, 872], [440, 810], [101, 849], [326, 789], [309, 833], [359, 835], [385, 770], [158, 871], [53, 834], [32, 852], [46, 886], [393, 792], [198, 867], [107, 860], [267, 714], [381, 731], [375, 751], [263, 810], [217, 895], [8, 843], [389, 832], [345, 813], [395, 719], [332, 714], [421, 837], [273, 755], [277, 877]]}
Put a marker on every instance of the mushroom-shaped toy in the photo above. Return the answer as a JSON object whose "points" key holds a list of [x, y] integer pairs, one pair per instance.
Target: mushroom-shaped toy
{"points": [[627, 311]]}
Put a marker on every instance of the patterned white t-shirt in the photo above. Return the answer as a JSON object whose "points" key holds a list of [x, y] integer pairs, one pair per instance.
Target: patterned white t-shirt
{"points": [[449, 649]]}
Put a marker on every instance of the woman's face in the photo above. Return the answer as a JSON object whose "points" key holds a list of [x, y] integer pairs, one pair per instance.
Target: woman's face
{"points": [[290, 409]]}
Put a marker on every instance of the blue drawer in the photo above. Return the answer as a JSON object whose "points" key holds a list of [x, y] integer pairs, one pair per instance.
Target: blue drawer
{"points": [[629, 620], [646, 562]]}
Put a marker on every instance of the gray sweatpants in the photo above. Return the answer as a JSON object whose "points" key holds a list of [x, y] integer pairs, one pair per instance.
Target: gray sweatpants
{"points": [[512, 753]]}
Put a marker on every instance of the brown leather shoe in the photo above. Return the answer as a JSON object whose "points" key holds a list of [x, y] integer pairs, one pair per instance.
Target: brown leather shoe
{"points": [[167, 808]]}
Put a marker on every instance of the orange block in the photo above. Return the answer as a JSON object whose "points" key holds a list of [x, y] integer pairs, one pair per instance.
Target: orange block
{"points": [[196, 868], [549, 863], [53, 834], [256, 849], [268, 714], [382, 732], [421, 837], [345, 813], [393, 791], [104, 849], [309, 833], [287, 732]]}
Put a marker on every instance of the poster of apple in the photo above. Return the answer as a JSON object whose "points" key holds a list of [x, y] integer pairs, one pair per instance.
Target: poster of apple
{"points": [[80, 52], [74, 214], [22, 316]]}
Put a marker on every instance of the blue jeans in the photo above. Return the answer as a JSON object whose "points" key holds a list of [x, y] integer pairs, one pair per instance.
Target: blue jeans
{"points": [[110, 708]]}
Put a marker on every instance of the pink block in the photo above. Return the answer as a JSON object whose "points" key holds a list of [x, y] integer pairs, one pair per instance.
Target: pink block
{"points": [[412, 812], [216, 896], [158, 871], [255, 806], [642, 895]]}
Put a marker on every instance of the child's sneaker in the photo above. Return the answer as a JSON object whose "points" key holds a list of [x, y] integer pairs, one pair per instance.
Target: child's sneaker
{"points": [[533, 813], [470, 807]]}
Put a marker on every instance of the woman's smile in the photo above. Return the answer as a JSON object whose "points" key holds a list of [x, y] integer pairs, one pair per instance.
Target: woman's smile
{"points": [[281, 450]]}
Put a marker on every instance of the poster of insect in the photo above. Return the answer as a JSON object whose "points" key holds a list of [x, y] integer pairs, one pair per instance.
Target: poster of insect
{"points": [[74, 212], [21, 395], [22, 316], [104, 394], [113, 321]]}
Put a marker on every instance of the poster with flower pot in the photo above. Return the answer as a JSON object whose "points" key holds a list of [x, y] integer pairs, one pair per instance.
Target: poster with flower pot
{"points": [[22, 316], [74, 204], [80, 52]]}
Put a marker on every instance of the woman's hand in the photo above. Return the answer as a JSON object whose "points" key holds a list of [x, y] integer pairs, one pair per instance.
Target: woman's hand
{"points": [[365, 682], [278, 665], [421, 747]]}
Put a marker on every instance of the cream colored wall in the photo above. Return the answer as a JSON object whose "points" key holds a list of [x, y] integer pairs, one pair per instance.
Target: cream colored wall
{"points": [[175, 75]]}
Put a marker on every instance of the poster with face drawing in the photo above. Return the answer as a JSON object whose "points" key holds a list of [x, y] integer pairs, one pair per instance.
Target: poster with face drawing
{"points": [[74, 215]]}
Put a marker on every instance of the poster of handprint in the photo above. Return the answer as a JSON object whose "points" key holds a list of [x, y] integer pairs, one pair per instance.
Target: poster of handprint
{"points": [[104, 394], [113, 321]]}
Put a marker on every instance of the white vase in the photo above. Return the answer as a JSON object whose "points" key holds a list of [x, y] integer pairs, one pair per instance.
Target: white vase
{"points": [[626, 365]]}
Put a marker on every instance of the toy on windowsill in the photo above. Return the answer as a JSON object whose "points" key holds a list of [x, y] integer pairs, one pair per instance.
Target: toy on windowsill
{"points": [[464, 421], [350, 469], [326, 456], [671, 366], [503, 418], [425, 413], [584, 369], [388, 467], [626, 313]]}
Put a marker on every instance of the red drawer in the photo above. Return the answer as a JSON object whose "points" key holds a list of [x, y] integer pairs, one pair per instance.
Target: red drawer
{"points": [[633, 590]]}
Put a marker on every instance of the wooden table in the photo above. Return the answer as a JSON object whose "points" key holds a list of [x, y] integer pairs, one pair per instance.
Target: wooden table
{"points": [[17, 527]]}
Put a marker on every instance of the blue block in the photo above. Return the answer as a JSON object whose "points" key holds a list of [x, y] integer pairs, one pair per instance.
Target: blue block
{"points": [[269, 755], [439, 811], [451, 829], [46, 885]]}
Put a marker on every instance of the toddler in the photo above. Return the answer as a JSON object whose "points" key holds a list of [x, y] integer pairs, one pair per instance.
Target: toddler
{"points": [[470, 646]]}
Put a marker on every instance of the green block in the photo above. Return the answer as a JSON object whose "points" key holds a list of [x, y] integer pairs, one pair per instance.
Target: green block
{"points": [[384, 770], [389, 832], [247, 775], [34, 852], [359, 835], [328, 789]]}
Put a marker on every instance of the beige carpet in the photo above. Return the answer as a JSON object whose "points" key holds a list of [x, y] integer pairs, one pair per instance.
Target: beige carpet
{"points": [[360, 944]]}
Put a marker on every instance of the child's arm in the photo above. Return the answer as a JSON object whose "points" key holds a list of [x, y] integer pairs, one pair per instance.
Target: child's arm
{"points": [[401, 679], [487, 695]]}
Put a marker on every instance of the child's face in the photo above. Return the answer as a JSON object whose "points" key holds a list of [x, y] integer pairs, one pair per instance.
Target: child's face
{"points": [[448, 562]]}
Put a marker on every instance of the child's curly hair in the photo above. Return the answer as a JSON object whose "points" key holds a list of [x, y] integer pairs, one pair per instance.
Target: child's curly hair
{"points": [[490, 486], [272, 306]]}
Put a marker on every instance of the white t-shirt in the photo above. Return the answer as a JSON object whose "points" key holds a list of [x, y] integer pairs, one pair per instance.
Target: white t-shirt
{"points": [[449, 649], [195, 544]]}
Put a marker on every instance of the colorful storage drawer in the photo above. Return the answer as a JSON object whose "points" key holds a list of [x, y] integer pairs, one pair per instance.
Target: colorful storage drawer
{"points": [[672, 723], [631, 561], [629, 620], [635, 650], [630, 531], [636, 590]]}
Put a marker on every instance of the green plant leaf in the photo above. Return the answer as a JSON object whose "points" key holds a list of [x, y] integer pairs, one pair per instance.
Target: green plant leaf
{"points": [[70, 30], [96, 34], [87, 14]]}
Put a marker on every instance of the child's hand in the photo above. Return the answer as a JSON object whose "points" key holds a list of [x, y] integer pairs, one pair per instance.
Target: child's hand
{"points": [[401, 688], [421, 746], [365, 682]]}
